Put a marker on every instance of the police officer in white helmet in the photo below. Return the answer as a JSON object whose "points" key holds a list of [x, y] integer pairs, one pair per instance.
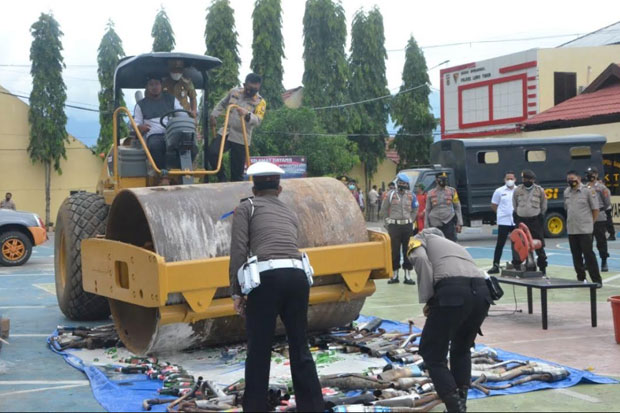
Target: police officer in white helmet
{"points": [[269, 276]]}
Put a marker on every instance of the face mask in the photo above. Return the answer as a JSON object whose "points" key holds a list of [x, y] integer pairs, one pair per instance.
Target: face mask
{"points": [[590, 177], [176, 76], [572, 182], [402, 187], [528, 184], [352, 187], [442, 182], [510, 183]]}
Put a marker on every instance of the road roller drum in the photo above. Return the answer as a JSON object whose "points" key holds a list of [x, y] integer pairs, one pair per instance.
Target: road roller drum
{"points": [[189, 224]]}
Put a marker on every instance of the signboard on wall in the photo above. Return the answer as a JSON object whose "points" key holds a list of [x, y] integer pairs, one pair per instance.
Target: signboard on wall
{"points": [[489, 97], [293, 166]]}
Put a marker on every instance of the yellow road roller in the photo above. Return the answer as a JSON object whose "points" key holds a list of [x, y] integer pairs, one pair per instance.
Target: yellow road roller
{"points": [[156, 257]]}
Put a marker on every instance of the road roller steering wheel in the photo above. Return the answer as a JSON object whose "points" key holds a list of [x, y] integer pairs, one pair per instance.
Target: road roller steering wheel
{"points": [[172, 112]]}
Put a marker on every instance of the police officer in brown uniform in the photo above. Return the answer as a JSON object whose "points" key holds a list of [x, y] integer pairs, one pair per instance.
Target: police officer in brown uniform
{"points": [[251, 113], [530, 204], [267, 228], [443, 208], [457, 302], [399, 210], [600, 225], [180, 87], [582, 209]]}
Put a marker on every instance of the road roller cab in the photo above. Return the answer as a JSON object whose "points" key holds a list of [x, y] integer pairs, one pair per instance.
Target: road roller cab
{"points": [[156, 258]]}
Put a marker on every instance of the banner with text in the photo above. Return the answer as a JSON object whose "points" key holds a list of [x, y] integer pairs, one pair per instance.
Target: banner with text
{"points": [[293, 166]]}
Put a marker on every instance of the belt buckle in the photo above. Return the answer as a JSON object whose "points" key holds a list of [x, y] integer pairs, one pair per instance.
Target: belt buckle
{"points": [[270, 264]]}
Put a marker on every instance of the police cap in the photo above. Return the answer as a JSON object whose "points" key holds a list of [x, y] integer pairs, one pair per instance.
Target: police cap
{"points": [[441, 175], [528, 174], [592, 170], [262, 168], [403, 177]]}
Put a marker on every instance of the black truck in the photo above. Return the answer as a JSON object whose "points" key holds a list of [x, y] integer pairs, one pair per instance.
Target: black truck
{"points": [[476, 167]]}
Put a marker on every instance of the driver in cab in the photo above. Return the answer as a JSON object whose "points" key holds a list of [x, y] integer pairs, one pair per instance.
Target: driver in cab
{"points": [[147, 114]]}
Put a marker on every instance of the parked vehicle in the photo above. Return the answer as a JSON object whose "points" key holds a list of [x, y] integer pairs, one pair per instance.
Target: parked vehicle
{"points": [[19, 232], [476, 167]]}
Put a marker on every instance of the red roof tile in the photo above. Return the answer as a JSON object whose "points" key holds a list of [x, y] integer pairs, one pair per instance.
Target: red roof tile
{"points": [[600, 101]]}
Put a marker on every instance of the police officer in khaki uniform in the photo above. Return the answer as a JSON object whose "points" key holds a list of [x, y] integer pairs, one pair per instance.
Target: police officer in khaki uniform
{"points": [[269, 229], [600, 225], [530, 204], [399, 210], [180, 87], [582, 209], [251, 113], [457, 302], [443, 208]]}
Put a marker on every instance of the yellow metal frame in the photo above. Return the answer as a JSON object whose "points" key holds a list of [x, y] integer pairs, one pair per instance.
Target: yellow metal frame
{"points": [[138, 276], [172, 172]]}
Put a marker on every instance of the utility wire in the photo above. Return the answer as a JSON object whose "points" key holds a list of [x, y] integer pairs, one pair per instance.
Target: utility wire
{"points": [[66, 105]]}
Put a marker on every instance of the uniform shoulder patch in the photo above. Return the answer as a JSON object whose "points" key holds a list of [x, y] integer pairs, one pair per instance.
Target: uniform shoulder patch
{"points": [[413, 244]]}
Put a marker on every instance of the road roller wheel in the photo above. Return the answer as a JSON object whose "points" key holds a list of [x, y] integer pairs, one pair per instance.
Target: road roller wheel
{"points": [[82, 215]]}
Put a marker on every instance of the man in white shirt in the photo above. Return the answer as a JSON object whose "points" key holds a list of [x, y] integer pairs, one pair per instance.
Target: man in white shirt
{"points": [[147, 114], [501, 203]]}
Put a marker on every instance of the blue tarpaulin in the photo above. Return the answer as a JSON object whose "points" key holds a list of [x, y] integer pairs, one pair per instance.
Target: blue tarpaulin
{"points": [[127, 395]]}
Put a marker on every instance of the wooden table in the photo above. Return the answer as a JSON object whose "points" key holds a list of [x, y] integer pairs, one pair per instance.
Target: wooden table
{"points": [[545, 284]]}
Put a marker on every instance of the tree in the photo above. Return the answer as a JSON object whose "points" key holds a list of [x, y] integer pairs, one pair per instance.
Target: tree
{"points": [[221, 42], [162, 33], [325, 64], [46, 115], [268, 49], [411, 110], [367, 81], [298, 132], [110, 51]]}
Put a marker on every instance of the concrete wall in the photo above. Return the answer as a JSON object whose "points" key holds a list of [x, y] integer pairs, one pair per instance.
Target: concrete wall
{"points": [[25, 180], [384, 175], [586, 62]]}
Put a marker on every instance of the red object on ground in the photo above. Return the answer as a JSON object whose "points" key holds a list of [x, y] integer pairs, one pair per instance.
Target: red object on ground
{"points": [[421, 209], [615, 311]]}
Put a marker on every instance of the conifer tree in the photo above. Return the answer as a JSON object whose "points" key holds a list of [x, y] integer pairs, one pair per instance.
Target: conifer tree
{"points": [[268, 49], [325, 65], [46, 114], [411, 110], [109, 53], [162, 33]]}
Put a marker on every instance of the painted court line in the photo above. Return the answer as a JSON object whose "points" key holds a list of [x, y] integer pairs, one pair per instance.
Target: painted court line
{"points": [[12, 393], [577, 395], [27, 275], [48, 288], [29, 335], [495, 343], [21, 307], [615, 277], [38, 382]]}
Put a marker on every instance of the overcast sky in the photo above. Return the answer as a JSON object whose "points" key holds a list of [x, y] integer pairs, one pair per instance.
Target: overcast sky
{"points": [[436, 26]]}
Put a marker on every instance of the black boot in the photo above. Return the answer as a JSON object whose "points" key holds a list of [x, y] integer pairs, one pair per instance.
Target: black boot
{"points": [[394, 279], [463, 392], [454, 403], [604, 267], [494, 269]]}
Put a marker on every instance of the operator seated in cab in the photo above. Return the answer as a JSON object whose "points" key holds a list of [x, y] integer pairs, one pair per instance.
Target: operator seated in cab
{"points": [[147, 114]]}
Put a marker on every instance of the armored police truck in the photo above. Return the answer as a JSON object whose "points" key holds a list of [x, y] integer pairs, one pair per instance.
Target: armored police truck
{"points": [[476, 167]]}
